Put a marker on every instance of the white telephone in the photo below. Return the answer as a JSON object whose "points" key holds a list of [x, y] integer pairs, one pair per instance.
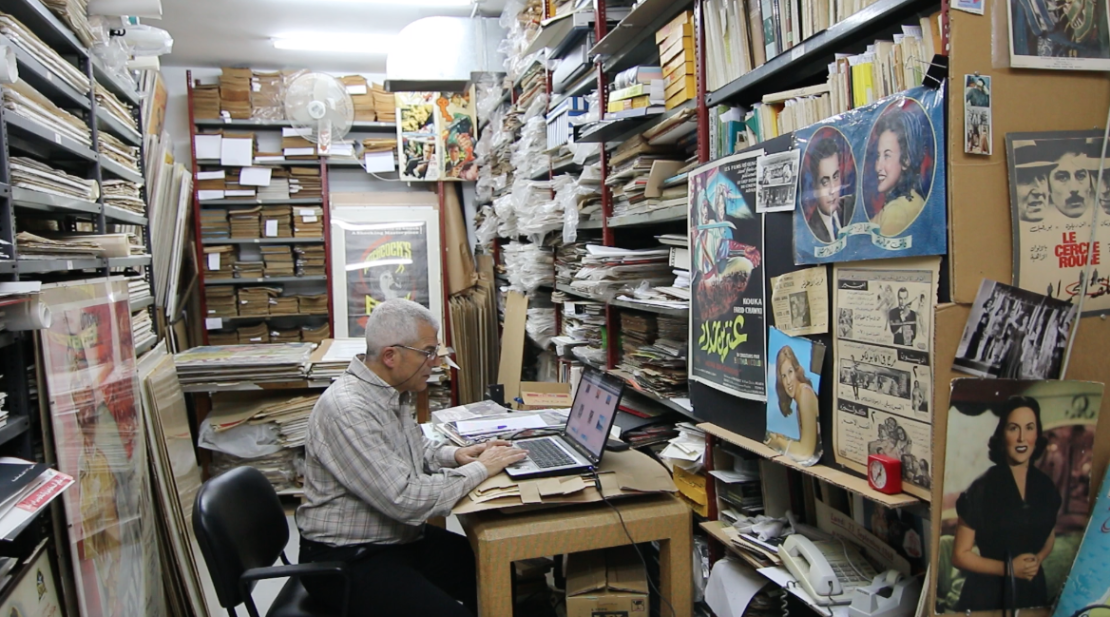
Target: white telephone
{"points": [[828, 570]]}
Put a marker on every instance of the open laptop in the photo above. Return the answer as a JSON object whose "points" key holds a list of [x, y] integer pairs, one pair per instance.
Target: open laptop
{"points": [[582, 442]]}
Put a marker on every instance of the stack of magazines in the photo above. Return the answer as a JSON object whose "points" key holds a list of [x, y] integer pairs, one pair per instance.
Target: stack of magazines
{"points": [[249, 363], [485, 420]]}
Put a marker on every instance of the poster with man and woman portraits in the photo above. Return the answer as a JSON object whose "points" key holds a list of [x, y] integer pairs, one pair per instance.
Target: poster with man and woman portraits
{"points": [[872, 183], [1015, 496], [1054, 203]]}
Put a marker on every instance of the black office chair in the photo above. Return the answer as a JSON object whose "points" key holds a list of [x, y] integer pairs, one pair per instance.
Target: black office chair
{"points": [[242, 530]]}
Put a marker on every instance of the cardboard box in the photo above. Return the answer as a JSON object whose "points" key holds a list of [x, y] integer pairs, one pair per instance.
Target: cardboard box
{"points": [[685, 19], [677, 100], [544, 395], [672, 31], [676, 77], [606, 582], [691, 485], [687, 86], [683, 47]]}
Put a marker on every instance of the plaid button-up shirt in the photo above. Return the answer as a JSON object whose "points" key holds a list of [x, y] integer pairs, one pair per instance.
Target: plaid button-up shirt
{"points": [[371, 476]]}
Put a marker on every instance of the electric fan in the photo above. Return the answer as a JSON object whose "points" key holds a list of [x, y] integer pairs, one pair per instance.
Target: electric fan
{"points": [[320, 109]]}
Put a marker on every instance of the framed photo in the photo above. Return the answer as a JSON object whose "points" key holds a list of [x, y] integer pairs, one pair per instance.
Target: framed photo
{"points": [[1068, 36], [379, 253]]}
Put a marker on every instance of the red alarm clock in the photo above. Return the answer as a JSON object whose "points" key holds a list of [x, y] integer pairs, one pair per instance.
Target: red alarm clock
{"points": [[884, 473]]}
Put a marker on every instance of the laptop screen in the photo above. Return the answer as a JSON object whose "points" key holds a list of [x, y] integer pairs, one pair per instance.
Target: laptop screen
{"points": [[591, 415]]}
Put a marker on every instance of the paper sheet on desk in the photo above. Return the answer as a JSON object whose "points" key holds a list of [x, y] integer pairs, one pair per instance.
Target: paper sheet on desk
{"points": [[732, 585], [474, 427]]}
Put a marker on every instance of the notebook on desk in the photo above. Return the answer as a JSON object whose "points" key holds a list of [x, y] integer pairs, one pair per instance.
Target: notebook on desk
{"points": [[581, 444]]}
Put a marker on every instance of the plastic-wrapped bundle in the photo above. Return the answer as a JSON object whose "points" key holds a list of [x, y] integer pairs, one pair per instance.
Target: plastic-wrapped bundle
{"points": [[593, 356], [521, 21], [486, 230], [540, 325], [529, 156], [528, 266], [488, 90], [506, 216], [605, 271], [571, 195]]}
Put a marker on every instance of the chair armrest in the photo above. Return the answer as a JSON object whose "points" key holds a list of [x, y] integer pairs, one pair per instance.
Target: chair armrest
{"points": [[296, 570]]}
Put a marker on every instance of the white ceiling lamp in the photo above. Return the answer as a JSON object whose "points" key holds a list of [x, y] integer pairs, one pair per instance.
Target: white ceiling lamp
{"points": [[335, 43]]}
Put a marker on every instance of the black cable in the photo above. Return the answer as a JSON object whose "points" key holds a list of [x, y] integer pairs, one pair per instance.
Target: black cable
{"points": [[597, 484]]}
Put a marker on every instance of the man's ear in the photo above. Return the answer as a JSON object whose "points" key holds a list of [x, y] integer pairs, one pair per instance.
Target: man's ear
{"points": [[388, 357]]}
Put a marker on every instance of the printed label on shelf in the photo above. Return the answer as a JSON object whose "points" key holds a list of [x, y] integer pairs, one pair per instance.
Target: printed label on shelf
{"points": [[49, 76], [271, 229], [568, 308], [797, 52], [57, 139], [213, 261], [257, 339], [309, 219], [357, 89], [69, 265], [213, 323]]}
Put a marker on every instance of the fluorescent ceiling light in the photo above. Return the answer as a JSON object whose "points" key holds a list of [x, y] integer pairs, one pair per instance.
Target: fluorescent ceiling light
{"points": [[334, 42], [410, 2]]}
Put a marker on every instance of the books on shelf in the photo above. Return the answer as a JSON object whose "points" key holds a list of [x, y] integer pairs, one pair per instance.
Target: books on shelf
{"points": [[214, 224]]}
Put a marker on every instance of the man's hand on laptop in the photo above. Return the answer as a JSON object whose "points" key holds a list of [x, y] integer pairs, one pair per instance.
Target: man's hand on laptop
{"points": [[471, 453], [497, 457]]}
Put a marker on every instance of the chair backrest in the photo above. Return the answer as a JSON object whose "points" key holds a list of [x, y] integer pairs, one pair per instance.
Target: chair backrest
{"points": [[240, 524]]}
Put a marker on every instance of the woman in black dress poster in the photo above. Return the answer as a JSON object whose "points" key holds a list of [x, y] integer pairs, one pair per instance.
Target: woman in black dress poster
{"points": [[1009, 514]]}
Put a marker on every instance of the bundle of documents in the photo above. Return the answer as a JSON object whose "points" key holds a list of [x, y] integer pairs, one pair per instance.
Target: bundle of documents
{"points": [[230, 337], [280, 469], [113, 148], [33, 175], [124, 194], [138, 288], [25, 489], [313, 304], [361, 96], [332, 358], [687, 449], [245, 223], [221, 301], [75, 13], [379, 144], [268, 96], [217, 262], [256, 300], [206, 102], [308, 222], [142, 329], [568, 261], [30, 246], [315, 334], [248, 268], [284, 305], [304, 183], [277, 221], [311, 260], [214, 224], [290, 415], [278, 188], [235, 93], [629, 183], [27, 102], [657, 360], [286, 335], [485, 420], [605, 270], [115, 107], [529, 265], [385, 103], [295, 147], [26, 40], [279, 260], [258, 333]]}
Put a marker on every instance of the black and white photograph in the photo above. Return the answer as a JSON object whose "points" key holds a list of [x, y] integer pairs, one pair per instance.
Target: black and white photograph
{"points": [[1014, 334], [844, 323], [894, 441], [977, 115], [799, 310], [1065, 36], [777, 181]]}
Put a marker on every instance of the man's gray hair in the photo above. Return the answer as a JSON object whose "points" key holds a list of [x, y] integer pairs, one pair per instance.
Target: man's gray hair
{"points": [[395, 322]]}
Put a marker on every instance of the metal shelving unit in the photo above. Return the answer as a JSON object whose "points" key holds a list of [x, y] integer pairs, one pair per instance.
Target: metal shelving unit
{"points": [[647, 308], [262, 202], [673, 214], [357, 127], [263, 241], [272, 279]]}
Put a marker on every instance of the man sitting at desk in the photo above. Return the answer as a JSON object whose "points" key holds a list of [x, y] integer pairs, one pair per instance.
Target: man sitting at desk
{"points": [[372, 480]]}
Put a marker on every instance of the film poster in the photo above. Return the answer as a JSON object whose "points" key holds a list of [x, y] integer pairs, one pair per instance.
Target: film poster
{"points": [[871, 182], [978, 135], [455, 120], [34, 595], [384, 261], [418, 140], [727, 319], [92, 381], [1053, 200], [883, 346], [777, 181], [800, 301], [1071, 36]]}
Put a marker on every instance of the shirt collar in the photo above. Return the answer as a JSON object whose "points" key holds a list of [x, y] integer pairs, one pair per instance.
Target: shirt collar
{"points": [[827, 220], [362, 372]]}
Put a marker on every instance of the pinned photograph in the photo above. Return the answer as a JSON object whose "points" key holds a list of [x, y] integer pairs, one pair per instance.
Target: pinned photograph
{"points": [[977, 115], [1053, 198], [777, 181], [1069, 36], [1014, 334], [794, 369], [1017, 476], [969, 6], [800, 301]]}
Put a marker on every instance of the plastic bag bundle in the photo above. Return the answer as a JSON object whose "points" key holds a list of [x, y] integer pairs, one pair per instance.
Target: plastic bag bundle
{"points": [[540, 325], [521, 21], [605, 272], [528, 266], [486, 229], [506, 216], [536, 212], [284, 470], [488, 90], [529, 156]]}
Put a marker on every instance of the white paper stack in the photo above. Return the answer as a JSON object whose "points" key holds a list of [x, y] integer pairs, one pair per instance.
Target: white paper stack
{"points": [[26, 40], [606, 270], [36, 176], [115, 107], [27, 102], [125, 155], [333, 357], [142, 329], [244, 363], [124, 194]]}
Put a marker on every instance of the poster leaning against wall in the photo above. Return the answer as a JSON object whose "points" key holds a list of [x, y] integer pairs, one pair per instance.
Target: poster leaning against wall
{"points": [[379, 253], [92, 381]]}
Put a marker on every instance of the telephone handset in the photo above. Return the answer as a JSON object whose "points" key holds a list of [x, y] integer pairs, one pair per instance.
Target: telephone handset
{"points": [[828, 570]]}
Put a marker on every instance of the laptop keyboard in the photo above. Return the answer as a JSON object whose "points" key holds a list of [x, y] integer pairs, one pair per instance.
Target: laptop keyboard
{"points": [[545, 454]]}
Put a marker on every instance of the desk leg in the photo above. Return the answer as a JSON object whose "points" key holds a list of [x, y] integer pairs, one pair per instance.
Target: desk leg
{"points": [[676, 575], [495, 587]]}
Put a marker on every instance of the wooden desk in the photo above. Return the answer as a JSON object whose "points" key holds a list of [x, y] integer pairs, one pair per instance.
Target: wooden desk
{"points": [[499, 539]]}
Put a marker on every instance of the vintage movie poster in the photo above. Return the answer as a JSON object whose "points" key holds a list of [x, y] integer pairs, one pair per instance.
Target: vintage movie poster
{"points": [[1003, 434], [1014, 334], [1053, 200], [418, 139], [34, 595], [727, 320], [384, 261], [1089, 582], [793, 413], [777, 181], [456, 115], [800, 301], [978, 136], [883, 350], [1069, 36], [871, 182], [974, 7], [91, 377]]}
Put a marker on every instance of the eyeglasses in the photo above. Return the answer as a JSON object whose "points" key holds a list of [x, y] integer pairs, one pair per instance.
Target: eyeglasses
{"points": [[429, 355]]}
